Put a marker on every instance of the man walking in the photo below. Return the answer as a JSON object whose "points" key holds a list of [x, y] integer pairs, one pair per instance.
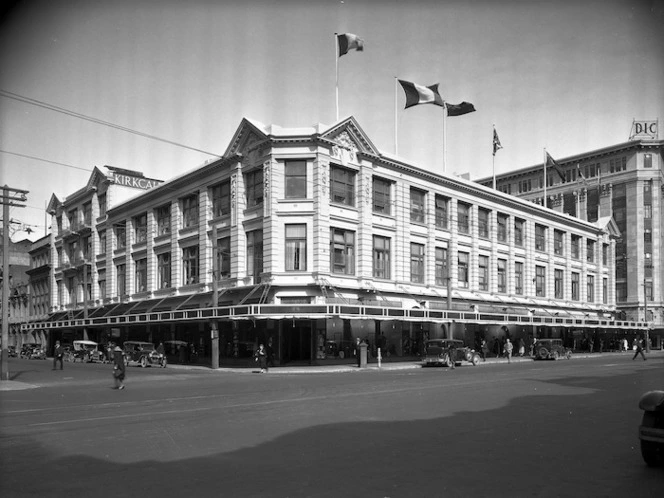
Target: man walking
{"points": [[639, 349], [508, 350], [451, 355], [57, 355], [118, 368]]}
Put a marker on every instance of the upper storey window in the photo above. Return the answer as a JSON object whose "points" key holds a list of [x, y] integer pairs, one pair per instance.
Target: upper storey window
{"points": [[190, 211], [381, 196], [221, 199], [417, 205], [296, 179], [342, 186], [253, 183]]}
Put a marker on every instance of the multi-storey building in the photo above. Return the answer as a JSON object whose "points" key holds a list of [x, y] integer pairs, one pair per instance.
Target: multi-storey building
{"points": [[625, 181], [309, 239]]}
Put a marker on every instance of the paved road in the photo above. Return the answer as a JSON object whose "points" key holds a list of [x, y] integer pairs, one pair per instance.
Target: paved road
{"points": [[527, 429]]}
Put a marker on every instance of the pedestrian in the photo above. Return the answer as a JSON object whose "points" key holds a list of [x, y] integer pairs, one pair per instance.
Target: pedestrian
{"points": [[624, 344], [484, 349], [118, 368], [270, 353], [58, 353], [532, 346], [451, 355], [160, 349], [522, 347], [261, 358], [496, 347], [508, 350], [638, 343]]}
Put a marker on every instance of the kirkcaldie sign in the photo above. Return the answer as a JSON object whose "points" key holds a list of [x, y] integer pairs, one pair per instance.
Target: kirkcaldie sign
{"points": [[134, 181], [644, 129]]}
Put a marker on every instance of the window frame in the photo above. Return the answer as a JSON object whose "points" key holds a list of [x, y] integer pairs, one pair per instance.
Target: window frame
{"points": [[342, 185], [382, 253], [342, 251], [381, 196], [295, 247], [417, 269], [295, 182], [190, 265]]}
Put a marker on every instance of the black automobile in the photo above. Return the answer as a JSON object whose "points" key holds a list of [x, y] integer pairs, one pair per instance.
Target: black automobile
{"points": [[32, 351], [551, 349], [651, 430], [436, 353], [143, 353]]}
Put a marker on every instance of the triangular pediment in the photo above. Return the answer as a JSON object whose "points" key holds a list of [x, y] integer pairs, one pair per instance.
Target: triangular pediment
{"points": [[248, 134], [608, 224], [54, 204], [348, 135], [96, 178]]}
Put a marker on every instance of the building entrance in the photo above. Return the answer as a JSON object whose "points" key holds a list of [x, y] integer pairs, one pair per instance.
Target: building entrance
{"points": [[296, 337]]}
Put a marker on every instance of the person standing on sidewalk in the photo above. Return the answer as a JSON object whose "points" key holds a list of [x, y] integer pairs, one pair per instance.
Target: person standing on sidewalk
{"points": [[639, 349], [57, 355], [451, 355], [118, 368], [484, 349], [261, 358], [508, 350]]}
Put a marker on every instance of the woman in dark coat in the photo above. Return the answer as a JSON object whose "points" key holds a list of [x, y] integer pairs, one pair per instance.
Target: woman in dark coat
{"points": [[118, 368], [261, 358]]}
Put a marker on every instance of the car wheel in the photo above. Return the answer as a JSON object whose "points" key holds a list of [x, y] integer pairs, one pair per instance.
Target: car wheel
{"points": [[649, 449], [476, 359], [144, 362], [543, 353]]}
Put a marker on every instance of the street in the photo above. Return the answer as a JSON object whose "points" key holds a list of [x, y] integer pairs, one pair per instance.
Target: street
{"points": [[525, 429]]}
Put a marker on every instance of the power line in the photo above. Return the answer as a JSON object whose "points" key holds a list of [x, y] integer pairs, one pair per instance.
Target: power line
{"points": [[45, 105], [44, 160]]}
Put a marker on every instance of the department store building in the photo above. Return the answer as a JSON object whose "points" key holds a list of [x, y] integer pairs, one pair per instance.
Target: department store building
{"points": [[308, 239]]}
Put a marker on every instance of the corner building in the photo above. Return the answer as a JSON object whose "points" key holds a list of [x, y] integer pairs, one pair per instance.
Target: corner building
{"points": [[308, 239]]}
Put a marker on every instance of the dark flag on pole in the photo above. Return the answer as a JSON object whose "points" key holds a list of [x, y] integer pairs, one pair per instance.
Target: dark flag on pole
{"points": [[459, 109], [550, 162], [496, 142]]}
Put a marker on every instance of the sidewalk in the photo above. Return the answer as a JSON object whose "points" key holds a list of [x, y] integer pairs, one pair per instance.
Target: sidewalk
{"points": [[12, 385]]}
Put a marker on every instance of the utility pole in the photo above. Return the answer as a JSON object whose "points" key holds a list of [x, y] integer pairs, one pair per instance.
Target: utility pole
{"points": [[214, 323], [14, 198], [645, 314]]}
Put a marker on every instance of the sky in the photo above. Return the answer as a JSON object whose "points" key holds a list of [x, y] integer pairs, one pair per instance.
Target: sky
{"points": [[568, 76]]}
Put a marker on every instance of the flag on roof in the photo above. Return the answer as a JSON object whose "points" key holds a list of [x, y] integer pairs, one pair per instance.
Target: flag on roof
{"points": [[349, 41], [550, 162], [418, 94], [579, 173], [459, 109], [496, 142]]}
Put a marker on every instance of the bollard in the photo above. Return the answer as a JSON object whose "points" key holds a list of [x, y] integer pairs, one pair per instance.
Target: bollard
{"points": [[379, 358], [363, 354]]}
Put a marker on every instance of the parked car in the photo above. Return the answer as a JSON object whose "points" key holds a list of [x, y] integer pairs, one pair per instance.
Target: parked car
{"points": [[12, 351], [436, 353], [143, 353], [551, 349], [87, 351], [651, 430], [32, 351]]}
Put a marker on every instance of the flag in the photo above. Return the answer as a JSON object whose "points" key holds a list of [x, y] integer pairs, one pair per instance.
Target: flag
{"points": [[579, 173], [551, 162], [459, 109], [418, 94], [496, 142], [349, 41]]}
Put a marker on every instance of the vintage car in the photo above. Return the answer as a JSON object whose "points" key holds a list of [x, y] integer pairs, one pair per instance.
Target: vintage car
{"points": [[551, 349], [32, 351], [143, 353], [87, 351], [651, 430], [436, 353]]}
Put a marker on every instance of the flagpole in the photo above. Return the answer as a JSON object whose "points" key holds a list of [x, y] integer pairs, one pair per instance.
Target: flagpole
{"points": [[396, 91], [493, 161], [545, 177], [444, 137], [336, 66]]}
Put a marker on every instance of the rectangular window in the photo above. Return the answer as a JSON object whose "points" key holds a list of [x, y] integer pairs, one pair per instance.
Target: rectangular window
{"points": [[141, 228], [621, 292], [618, 164], [605, 254], [87, 247], [417, 263], [463, 215], [163, 215], [381, 196], [381, 257], [190, 265], [224, 257], [483, 275], [253, 186], [255, 254], [558, 281], [462, 269], [518, 278], [164, 270], [296, 247], [87, 214], [575, 246], [483, 223], [441, 266], [647, 286], [590, 251], [72, 217], [540, 281], [221, 199], [575, 286], [120, 236], [540, 238], [590, 286], [101, 199], [502, 275], [417, 205], [605, 290], [647, 211], [121, 272], [295, 172], [502, 220], [342, 186], [647, 160], [101, 282], [442, 204], [518, 232], [190, 211], [342, 251], [558, 242], [141, 280]]}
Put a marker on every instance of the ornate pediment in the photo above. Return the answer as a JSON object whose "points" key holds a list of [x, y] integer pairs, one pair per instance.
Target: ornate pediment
{"points": [[247, 137], [349, 139]]}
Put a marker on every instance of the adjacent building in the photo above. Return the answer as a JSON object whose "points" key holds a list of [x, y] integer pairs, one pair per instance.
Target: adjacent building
{"points": [[309, 240]]}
